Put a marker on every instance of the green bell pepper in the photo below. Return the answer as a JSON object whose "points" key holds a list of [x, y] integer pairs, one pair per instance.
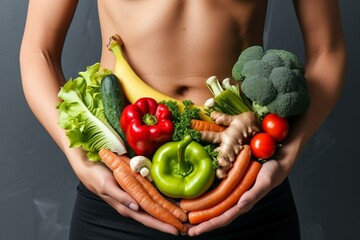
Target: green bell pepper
{"points": [[182, 169]]}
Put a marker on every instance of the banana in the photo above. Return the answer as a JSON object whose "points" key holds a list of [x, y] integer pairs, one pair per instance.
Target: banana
{"points": [[133, 86]]}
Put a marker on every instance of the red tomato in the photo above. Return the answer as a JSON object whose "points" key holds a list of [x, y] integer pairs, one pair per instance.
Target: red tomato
{"points": [[262, 145], [276, 126]]}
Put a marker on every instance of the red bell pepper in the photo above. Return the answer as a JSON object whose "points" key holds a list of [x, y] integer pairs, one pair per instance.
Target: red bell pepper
{"points": [[147, 125]]}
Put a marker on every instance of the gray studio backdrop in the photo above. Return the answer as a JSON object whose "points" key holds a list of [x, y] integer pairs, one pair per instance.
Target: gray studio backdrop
{"points": [[37, 185]]}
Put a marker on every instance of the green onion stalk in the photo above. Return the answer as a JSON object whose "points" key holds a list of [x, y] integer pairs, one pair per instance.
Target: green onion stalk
{"points": [[227, 98]]}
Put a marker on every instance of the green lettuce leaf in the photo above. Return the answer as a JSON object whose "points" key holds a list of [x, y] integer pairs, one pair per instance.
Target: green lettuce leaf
{"points": [[82, 115]]}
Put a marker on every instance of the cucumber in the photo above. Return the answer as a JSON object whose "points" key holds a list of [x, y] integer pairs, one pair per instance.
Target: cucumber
{"points": [[113, 101]]}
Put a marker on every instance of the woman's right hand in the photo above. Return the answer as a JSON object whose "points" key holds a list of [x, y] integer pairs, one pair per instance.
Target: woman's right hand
{"points": [[99, 179]]}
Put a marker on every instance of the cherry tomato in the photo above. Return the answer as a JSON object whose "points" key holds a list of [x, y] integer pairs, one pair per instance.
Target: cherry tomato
{"points": [[276, 126], [262, 145]]}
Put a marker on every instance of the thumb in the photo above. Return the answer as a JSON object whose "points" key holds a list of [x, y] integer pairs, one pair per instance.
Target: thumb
{"points": [[253, 195]]}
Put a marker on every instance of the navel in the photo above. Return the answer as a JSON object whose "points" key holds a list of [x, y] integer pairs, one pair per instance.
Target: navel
{"points": [[182, 90]]}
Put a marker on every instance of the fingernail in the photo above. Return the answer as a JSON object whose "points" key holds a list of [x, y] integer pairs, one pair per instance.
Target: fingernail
{"points": [[133, 206]]}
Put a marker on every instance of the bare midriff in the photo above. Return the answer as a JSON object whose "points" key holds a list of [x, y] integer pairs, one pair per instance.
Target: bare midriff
{"points": [[175, 45]]}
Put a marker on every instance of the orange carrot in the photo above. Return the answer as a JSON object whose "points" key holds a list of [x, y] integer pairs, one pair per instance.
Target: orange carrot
{"points": [[153, 192], [202, 125], [129, 183], [246, 182], [225, 187], [127, 180]]}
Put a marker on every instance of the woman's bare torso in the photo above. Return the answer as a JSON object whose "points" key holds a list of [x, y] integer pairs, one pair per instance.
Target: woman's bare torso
{"points": [[175, 45]]}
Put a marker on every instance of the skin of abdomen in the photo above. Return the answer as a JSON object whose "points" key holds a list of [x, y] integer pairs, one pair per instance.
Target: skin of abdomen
{"points": [[174, 46]]}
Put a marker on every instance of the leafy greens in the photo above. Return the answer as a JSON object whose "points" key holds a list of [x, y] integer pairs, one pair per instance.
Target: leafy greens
{"points": [[81, 114]]}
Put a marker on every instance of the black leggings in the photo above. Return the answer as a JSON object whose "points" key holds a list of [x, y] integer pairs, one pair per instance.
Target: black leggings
{"points": [[273, 217]]}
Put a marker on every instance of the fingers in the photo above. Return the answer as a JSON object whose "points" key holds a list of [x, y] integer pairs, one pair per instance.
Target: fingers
{"points": [[128, 207], [263, 184], [251, 197], [268, 178], [245, 203], [152, 222], [141, 216], [101, 181], [118, 198], [217, 222]]}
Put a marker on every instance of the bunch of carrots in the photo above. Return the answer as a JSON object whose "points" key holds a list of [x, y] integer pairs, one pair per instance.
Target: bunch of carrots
{"points": [[216, 201], [240, 178], [211, 204], [144, 193]]}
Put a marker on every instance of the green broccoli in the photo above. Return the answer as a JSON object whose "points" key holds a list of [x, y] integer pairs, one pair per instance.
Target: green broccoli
{"points": [[274, 81], [269, 81], [251, 53]]}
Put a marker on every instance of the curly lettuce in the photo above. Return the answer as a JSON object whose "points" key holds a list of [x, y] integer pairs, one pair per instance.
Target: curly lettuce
{"points": [[81, 114]]}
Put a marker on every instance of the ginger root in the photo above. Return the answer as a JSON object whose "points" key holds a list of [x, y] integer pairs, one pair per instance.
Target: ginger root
{"points": [[231, 140]]}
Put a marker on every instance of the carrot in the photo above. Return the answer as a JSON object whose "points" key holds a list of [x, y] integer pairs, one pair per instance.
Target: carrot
{"points": [[127, 180], [246, 182], [154, 193], [202, 125], [129, 183], [225, 187]]}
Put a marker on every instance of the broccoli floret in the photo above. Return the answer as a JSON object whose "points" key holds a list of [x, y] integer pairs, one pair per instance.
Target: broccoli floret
{"points": [[273, 59], [253, 87], [300, 76], [290, 104], [256, 67], [290, 59], [250, 53], [284, 80], [274, 83]]}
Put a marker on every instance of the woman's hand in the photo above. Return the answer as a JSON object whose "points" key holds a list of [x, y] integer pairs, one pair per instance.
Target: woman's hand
{"points": [[100, 180], [270, 176]]}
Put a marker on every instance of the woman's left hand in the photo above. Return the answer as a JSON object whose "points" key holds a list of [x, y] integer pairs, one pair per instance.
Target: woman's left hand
{"points": [[270, 176]]}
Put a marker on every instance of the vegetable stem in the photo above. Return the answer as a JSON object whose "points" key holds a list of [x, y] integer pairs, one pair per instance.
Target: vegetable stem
{"points": [[228, 98], [231, 103], [149, 119], [214, 86], [227, 85], [184, 168]]}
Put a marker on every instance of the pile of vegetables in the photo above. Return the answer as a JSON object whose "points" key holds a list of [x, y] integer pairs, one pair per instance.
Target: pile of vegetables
{"points": [[270, 84], [159, 149]]}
